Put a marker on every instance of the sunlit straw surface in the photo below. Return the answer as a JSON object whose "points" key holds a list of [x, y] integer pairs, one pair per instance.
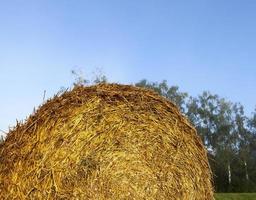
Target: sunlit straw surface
{"points": [[106, 141]]}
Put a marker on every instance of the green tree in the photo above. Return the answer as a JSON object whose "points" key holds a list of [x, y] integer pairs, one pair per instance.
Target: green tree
{"points": [[172, 93], [214, 120], [244, 137], [252, 151]]}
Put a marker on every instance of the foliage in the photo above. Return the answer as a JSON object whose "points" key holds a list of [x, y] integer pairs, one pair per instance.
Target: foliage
{"points": [[172, 93]]}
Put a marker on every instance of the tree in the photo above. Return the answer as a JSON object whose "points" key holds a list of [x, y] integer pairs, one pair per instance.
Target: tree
{"points": [[214, 119], [202, 112], [243, 135], [252, 123], [172, 93]]}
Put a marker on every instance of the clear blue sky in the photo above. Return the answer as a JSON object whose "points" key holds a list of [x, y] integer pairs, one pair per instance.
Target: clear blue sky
{"points": [[197, 45]]}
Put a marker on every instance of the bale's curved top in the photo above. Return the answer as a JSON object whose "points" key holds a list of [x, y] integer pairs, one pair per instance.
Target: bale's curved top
{"points": [[107, 141]]}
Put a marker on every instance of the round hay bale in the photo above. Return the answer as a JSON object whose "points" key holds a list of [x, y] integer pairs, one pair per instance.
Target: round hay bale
{"points": [[107, 141]]}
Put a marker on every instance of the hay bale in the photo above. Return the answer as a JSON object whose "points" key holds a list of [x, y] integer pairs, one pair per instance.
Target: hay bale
{"points": [[106, 141]]}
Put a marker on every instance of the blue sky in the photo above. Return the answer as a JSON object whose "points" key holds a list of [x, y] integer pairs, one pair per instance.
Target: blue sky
{"points": [[197, 45]]}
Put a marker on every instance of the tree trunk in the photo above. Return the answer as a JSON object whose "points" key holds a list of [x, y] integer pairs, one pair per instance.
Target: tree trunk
{"points": [[229, 174], [246, 171]]}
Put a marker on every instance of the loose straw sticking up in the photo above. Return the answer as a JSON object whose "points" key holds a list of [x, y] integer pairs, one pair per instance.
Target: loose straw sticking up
{"points": [[106, 141]]}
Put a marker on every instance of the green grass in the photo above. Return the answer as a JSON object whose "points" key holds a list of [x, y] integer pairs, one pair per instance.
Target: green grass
{"points": [[235, 196]]}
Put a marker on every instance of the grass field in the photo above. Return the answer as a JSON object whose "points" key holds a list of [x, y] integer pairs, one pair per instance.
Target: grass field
{"points": [[235, 196]]}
